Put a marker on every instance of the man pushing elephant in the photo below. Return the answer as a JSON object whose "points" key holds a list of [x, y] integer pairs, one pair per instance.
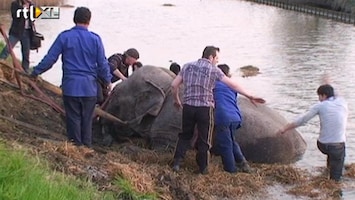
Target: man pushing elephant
{"points": [[333, 114], [199, 79]]}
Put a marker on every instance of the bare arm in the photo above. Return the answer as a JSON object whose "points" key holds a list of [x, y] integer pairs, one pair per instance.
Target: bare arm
{"points": [[235, 86], [238, 88], [175, 89], [288, 126], [117, 73]]}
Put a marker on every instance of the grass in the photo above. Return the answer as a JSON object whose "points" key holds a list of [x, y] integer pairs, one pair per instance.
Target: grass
{"points": [[25, 177], [127, 191]]}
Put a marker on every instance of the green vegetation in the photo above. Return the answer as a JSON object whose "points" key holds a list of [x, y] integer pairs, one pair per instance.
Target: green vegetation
{"points": [[127, 191], [24, 177]]}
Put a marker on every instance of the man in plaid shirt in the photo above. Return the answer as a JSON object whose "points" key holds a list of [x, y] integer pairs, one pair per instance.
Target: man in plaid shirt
{"points": [[199, 79]]}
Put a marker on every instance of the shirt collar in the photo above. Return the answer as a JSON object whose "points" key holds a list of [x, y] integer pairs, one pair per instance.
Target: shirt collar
{"points": [[80, 27], [331, 98], [205, 60]]}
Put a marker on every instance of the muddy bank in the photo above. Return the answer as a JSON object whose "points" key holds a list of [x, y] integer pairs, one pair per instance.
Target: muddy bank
{"points": [[28, 123]]}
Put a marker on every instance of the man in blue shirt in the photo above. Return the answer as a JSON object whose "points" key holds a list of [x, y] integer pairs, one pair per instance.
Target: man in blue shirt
{"points": [[333, 114], [228, 119], [84, 61]]}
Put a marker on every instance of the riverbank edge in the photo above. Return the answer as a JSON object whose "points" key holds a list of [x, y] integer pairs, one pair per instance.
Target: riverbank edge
{"points": [[340, 16]]}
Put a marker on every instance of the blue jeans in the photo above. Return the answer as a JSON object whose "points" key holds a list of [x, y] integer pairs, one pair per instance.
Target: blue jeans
{"points": [[335, 158], [226, 146], [25, 48]]}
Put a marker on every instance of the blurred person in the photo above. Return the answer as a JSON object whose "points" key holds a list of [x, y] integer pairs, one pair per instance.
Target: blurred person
{"points": [[174, 67], [20, 31], [84, 61]]}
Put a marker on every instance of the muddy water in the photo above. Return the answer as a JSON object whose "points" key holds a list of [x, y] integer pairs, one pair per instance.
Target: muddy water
{"points": [[292, 50]]}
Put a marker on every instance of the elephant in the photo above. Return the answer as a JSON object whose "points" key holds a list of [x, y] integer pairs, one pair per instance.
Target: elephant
{"points": [[145, 102], [258, 136]]}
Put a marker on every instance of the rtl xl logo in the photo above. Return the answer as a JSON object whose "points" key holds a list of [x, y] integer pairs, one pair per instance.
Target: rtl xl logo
{"points": [[44, 12]]}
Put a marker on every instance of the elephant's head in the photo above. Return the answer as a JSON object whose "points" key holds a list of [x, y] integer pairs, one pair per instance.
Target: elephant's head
{"points": [[141, 100]]}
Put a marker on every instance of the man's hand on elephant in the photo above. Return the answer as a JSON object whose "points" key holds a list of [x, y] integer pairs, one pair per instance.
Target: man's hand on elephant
{"points": [[109, 88], [255, 100], [280, 132], [288, 126], [258, 100]]}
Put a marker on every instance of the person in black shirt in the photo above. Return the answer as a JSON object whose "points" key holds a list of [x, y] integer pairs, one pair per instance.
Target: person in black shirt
{"points": [[120, 63]]}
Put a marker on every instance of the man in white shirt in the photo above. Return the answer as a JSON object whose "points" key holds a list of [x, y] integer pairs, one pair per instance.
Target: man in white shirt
{"points": [[333, 114]]}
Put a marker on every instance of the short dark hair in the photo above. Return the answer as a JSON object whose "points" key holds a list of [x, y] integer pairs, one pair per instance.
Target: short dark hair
{"points": [[210, 51], [174, 67], [326, 90], [136, 64], [224, 68], [132, 52], [82, 15]]}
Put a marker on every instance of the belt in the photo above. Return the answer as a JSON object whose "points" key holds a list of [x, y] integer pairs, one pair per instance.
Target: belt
{"points": [[337, 144]]}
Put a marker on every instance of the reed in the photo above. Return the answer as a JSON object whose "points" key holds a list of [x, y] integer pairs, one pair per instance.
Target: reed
{"points": [[5, 4]]}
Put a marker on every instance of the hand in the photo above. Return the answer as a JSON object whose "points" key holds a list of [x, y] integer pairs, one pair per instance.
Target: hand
{"points": [[255, 100], [280, 132], [35, 78], [109, 88], [178, 104]]}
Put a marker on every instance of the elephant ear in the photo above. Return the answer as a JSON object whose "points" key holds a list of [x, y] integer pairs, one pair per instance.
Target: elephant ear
{"points": [[149, 101]]}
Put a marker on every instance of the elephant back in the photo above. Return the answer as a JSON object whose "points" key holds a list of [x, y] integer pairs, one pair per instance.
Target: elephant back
{"points": [[259, 134]]}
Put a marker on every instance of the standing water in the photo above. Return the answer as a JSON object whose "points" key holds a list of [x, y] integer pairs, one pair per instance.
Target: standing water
{"points": [[293, 50]]}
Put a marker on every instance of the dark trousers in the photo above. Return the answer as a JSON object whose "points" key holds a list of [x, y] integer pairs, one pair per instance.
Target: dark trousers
{"points": [[203, 118], [335, 158], [79, 113], [226, 146]]}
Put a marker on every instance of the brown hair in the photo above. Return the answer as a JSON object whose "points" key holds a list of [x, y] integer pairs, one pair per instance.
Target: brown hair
{"points": [[210, 51]]}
